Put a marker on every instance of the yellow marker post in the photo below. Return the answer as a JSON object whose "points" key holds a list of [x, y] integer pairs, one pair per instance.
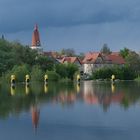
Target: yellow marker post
{"points": [[27, 79], [78, 78], [13, 80], [45, 78], [113, 78]]}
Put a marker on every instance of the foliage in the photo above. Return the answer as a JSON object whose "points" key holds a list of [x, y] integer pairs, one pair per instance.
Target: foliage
{"points": [[71, 69], [81, 56], [45, 63], [19, 71], [133, 60], [122, 73], [124, 52], [61, 70], [37, 74], [23, 54], [68, 52], [13, 53], [66, 70], [6, 61], [53, 76], [105, 49], [138, 78]]}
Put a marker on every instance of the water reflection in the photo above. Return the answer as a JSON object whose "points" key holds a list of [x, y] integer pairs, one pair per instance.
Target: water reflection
{"points": [[45, 88], [27, 89], [35, 111], [13, 90], [21, 98]]}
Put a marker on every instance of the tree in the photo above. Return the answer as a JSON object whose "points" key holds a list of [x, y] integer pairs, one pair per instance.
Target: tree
{"points": [[45, 63], [124, 52], [105, 49], [23, 54], [19, 72], [66, 70], [81, 56], [37, 74], [68, 52], [133, 60]]}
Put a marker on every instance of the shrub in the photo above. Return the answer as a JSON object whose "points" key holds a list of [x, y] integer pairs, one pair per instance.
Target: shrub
{"points": [[66, 70], [53, 76], [122, 73], [37, 74]]}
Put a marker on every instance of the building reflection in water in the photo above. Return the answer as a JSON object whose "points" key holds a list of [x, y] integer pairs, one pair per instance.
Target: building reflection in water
{"points": [[35, 111], [101, 94], [88, 93], [66, 97]]}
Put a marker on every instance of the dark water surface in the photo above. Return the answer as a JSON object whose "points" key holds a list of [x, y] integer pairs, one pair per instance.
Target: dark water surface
{"points": [[98, 111]]}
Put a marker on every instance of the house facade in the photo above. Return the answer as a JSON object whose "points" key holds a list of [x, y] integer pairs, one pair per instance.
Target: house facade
{"points": [[96, 60]]}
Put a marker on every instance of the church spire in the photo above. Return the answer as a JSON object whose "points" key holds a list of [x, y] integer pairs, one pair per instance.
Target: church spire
{"points": [[36, 44]]}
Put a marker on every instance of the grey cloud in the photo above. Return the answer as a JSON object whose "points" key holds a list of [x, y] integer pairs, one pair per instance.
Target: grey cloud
{"points": [[18, 15], [81, 24]]}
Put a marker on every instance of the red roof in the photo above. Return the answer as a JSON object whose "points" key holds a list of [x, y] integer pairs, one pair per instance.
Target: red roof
{"points": [[115, 53], [115, 59], [70, 60], [91, 57], [35, 37]]}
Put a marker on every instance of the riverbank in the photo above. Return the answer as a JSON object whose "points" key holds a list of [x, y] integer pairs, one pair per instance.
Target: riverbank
{"points": [[137, 79]]}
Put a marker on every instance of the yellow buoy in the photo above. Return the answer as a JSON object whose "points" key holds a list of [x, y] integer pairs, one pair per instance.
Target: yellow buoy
{"points": [[78, 78], [113, 78], [13, 79], [46, 78], [27, 79]]}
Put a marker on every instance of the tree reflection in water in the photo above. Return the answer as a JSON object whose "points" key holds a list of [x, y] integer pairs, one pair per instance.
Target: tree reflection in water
{"points": [[88, 92]]}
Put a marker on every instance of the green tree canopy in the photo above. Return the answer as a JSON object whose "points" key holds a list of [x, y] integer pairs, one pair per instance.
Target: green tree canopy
{"points": [[124, 52]]}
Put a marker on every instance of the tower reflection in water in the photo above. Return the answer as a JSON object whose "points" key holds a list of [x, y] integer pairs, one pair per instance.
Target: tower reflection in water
{"points": [[35, 111]]}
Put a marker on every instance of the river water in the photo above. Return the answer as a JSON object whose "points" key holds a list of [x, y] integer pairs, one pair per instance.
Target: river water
{"points": [[67, 111]]}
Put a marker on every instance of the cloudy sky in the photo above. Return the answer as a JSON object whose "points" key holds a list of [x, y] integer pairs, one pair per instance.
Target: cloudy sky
{"points": [[84, 25]]}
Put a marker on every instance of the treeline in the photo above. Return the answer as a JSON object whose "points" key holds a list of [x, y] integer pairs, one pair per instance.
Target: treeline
{"points": [[21, 60], [130, 71], [121, 73]]}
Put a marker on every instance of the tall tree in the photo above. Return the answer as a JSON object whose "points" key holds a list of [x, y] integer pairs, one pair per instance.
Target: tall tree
{"points": [[105, 49]]}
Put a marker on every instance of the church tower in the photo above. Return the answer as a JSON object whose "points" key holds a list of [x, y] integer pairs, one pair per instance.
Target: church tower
{"points": [[36, 45]]}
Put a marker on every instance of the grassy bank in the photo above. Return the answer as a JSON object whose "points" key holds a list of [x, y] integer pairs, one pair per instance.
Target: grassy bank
{"points": [[137, 79]]}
